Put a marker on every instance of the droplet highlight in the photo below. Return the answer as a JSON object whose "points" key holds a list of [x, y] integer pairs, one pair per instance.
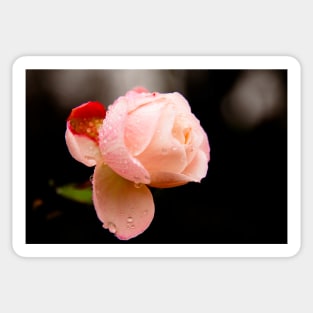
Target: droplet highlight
{"points": [[137, 185], [130, 225], [112, 227]]}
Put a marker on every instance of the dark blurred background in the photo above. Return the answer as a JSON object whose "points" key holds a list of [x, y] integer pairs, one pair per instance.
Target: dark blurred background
{"points": [[243, 198]]}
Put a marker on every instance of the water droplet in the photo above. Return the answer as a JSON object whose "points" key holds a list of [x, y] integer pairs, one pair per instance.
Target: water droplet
{"points": [[174, 148], [90, 124], [91, 178], [112, 227], [137, 185], [145, 212], [129, 219], [129, 225]]}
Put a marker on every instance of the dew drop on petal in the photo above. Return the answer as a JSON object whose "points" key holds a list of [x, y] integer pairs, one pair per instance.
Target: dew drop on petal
{"points": [[130, 225], [112, 227], [129, 219], [137, 185]]}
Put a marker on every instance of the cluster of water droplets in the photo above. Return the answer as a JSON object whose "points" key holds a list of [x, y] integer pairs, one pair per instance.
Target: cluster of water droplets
{"points": [[130, 223]]}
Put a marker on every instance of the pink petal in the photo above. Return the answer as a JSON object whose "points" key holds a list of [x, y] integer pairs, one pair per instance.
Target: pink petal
{"points": [[204, 146], [82, 149], [188, 132], [168, 180], [124, 208], [141, 126], [113, 148], [198, 167], [81, 134], [136, 100], [180, 103], [164, 151]]}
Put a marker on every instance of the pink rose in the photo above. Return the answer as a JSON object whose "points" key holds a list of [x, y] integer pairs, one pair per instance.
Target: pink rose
{"points": [[143, 139]]}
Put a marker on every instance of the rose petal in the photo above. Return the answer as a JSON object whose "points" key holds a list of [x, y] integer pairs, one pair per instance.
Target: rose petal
{"points": [[188, 132], [180, 103], [113, 148], [136, 100], [164, 151], [86, 119], [90, 109], [82, 149], [205, 146], [198, 167], [168, 180], [140, 127], [124, 208]]}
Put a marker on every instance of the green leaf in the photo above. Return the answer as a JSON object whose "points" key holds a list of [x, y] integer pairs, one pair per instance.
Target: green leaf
{"points": [[77, 192]]}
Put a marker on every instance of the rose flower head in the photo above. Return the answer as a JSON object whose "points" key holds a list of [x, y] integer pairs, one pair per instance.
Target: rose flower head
{"points": [[143, 139]]}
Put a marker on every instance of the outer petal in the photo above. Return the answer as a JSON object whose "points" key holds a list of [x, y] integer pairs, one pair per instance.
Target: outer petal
{"points": [[113, 148], [85, 119], [137, 99], [82, 149], [81, 134], [198, 167], [194, 172], [124, 208], [168, 180], [181, 104], [205, 146]]}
